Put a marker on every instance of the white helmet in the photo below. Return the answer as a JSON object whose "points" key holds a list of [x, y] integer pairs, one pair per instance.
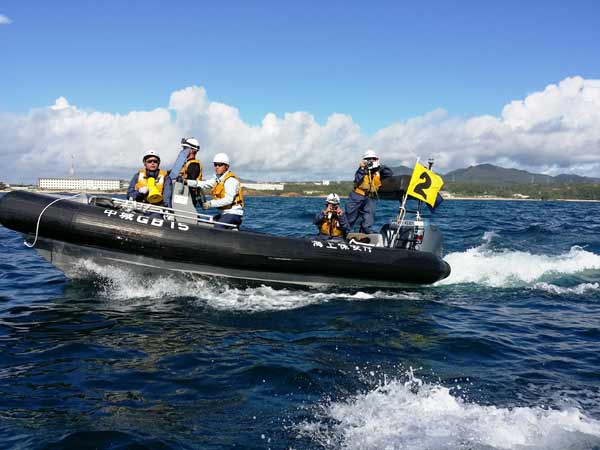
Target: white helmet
{"points": [[334, 199], [221, 158], [190, 143], [150, 153], [370, 153]]}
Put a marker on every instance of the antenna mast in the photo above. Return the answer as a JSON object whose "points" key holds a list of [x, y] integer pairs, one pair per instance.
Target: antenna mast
{"points": [[72, 169]]}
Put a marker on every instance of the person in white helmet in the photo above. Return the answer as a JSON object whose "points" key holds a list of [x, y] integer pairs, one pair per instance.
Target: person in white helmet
{"points": [[226, 192], [331, 221], [367, 180], [138, 187], [192, 168]]}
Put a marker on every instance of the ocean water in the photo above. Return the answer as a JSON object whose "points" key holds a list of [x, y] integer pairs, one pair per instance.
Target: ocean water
{"points": [[504, 354]]}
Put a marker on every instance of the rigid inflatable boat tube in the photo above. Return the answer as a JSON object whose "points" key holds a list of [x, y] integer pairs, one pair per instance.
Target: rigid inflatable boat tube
{"points": [[94, 228]]}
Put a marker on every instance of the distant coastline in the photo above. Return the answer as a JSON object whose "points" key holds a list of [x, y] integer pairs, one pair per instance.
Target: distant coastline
{"points": [[511, 199], [253, 193]]}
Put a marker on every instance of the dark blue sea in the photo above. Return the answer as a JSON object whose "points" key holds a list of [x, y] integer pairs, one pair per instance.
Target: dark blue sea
{"points": [[504, 354]]}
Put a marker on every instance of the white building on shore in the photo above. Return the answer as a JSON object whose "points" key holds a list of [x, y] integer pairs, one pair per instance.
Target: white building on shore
{"points": [[78, 184], [264, 186]]}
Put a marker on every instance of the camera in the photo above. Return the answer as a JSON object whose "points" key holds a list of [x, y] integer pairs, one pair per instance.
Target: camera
{"points": [[331, 211], [369, 164]]}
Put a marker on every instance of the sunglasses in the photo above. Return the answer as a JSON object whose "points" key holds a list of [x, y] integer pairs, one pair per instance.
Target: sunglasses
{"points": [[370, 159], [152, 161], [219, 164]]}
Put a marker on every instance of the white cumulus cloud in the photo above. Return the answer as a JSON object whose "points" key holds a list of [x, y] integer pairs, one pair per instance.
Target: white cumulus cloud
{"points": [[552, 131], [555, 130], [4, 20]]}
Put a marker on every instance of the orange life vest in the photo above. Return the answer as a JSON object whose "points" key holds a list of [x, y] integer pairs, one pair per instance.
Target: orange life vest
{"points": [[331, 227], [370, 184], [183, 171], [142, 180], [219, 191]]}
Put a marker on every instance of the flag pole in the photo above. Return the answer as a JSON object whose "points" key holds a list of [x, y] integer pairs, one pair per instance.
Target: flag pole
{"points": [[400, 218], [399, 221], [402, 211]]}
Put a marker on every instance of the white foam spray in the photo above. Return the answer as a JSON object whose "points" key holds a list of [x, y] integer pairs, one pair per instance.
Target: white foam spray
{"points": [[118, 284], [580, 289], [416, 415], [506, 268]]}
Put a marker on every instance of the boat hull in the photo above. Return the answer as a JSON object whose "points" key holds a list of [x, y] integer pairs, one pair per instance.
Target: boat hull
{"points": [[70, 232]]}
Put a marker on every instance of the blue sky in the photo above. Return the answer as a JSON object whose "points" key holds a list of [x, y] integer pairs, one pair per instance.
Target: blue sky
{"points": [[377, 61]]}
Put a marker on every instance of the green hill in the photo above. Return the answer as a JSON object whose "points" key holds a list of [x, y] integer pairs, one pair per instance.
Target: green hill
{"points": [[401, 170], [489, 174]]}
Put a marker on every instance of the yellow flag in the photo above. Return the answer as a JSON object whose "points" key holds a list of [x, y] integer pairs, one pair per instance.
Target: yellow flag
{"points": [[424, 184]]}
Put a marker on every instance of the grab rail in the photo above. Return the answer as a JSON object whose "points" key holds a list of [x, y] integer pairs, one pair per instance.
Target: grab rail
{"points": [[176, 213]]}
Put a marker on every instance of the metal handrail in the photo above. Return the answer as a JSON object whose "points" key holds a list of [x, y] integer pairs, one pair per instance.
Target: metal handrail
{"points": [[177, 213]]}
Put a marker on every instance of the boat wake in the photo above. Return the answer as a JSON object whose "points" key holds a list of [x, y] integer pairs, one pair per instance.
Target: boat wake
{"points": [[580, 289], [506, 268], [415, 415], [128, 288]]}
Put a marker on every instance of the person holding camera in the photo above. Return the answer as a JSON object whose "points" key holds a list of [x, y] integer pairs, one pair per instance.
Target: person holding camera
{"points": [[332, 221], [367, 181]]}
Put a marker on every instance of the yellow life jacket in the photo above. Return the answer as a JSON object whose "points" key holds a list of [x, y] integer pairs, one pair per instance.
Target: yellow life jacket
{"points": [[219, 191], [183, 171], [331, 227], [142, 180], [370, 184]]}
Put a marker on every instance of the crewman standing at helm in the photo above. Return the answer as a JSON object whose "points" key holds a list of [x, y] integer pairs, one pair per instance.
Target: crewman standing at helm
{"points": [[192, 168], [226, 192], [332, 222], [151, 184], [367, 181]]}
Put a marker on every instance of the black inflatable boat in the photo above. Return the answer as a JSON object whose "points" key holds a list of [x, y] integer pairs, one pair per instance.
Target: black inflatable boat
{"points": [[114, 232]]}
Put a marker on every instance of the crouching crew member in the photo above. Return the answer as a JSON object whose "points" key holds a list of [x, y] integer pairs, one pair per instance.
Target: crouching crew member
{"points": [[332, 222], [226, 192], [192, 169], [151, 184], [361, 201]]}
